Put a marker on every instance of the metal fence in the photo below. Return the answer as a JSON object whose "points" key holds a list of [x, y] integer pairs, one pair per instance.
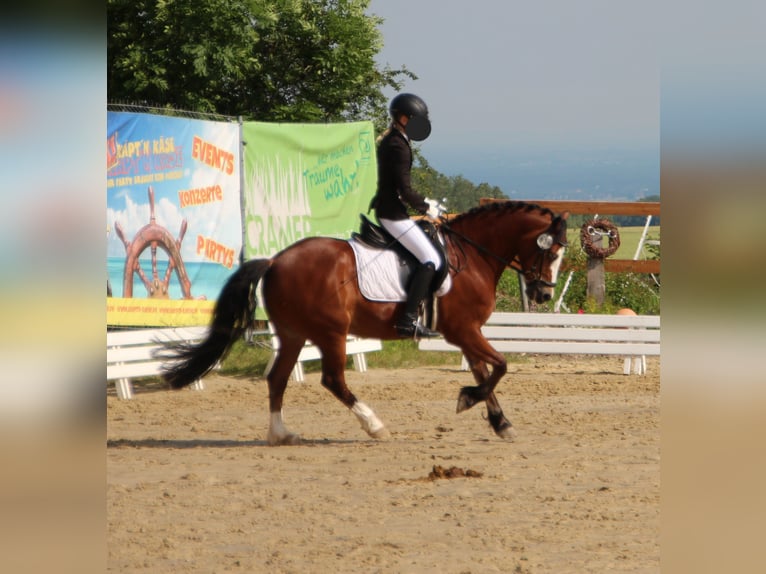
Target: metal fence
{"points": [[167, 111]]}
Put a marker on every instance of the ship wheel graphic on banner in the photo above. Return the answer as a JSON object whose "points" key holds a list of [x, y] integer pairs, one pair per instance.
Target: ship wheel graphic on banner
{"points": [[153, 236]]}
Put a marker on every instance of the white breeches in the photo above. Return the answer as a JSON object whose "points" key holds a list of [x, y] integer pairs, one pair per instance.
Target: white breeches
{"points": [[414, 240]]}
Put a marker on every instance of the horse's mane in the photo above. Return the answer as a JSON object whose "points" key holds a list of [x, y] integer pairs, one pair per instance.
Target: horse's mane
{"points": [[500, 206]]}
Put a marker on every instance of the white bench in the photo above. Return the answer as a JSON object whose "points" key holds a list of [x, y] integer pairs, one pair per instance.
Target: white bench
{"points": [[631, 336], [130, 354], [355, 346]]}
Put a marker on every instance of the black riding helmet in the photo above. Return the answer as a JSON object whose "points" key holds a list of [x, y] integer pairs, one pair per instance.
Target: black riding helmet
{"points": [[418, 127]]}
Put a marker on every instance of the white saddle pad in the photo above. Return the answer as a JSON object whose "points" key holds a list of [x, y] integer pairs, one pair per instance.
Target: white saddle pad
{"points": [[378, 274]]}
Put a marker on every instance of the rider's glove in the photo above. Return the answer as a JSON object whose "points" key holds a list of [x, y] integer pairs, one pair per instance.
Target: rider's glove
{"points": [[434, 208]]}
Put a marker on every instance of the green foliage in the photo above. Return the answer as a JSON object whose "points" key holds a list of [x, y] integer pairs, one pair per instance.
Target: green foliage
{"points": [[180, 54], [654, 250], [249, 361], [267, 60], [403, 354], [245, 360], [460, 194], [635, 291], [508, 293]]}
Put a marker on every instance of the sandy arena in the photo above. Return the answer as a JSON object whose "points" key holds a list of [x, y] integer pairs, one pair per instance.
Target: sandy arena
{"points": [[193, 487]]}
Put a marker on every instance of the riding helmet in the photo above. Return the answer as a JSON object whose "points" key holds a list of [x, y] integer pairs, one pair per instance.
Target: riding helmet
{"points": [[419, 126]]}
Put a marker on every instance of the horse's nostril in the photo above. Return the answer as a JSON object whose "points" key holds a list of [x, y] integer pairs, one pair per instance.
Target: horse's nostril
{"points": [[546, 296]]}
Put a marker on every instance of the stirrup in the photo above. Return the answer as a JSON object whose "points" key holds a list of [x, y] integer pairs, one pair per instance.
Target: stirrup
{"points": [[415, 330]]}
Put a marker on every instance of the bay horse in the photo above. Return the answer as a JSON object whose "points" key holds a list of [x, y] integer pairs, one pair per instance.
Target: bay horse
{"points": [[310, 292]]}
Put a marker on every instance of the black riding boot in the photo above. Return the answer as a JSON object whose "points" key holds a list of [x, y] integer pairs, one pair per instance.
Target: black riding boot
{"points": [[407, 326]]}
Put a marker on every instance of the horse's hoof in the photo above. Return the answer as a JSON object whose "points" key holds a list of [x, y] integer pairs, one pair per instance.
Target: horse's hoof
{"points": [[506, 433], [381, 434], [501, 425], [465, 399]]}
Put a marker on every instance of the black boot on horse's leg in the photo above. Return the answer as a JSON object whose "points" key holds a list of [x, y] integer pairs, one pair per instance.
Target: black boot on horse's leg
{"points": [[407, 325]]}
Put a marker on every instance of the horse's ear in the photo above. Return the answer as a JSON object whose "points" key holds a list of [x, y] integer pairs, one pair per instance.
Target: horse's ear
{"points": [[565, 215]]}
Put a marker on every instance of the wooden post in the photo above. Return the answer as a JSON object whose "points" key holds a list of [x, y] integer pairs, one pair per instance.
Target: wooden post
{"points": [[596, 277], [523, 291]]}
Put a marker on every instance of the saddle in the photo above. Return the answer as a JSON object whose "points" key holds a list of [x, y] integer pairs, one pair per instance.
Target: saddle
{"points": [[377, 237]]}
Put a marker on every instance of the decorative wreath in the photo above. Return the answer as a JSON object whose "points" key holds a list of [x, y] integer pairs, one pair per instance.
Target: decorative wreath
{"points": [[603, 228]]}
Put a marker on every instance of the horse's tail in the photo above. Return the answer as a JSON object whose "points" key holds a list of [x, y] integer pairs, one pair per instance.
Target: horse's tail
{"points": [[233, 313]]}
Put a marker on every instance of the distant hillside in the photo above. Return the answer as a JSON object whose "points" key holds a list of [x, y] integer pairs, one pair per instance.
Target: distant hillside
{"points": [[605, 176]]}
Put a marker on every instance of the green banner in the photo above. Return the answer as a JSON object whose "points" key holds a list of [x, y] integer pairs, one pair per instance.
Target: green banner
{"points": [[303, 180]]}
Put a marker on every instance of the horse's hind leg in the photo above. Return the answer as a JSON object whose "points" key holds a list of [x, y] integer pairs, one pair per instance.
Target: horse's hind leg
{"points": [[334, 380], [277, 378]]}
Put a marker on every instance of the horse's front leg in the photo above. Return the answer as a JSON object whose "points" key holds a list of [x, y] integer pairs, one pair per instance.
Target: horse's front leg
{"points": [[500, 424], [487, 381]]}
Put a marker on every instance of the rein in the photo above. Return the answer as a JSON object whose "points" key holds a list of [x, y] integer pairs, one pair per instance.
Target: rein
{"points": [[514, 263], [444, 225]]}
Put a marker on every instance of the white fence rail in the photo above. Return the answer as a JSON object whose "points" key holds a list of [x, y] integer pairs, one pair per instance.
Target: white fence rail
{"points": [[130, 354], [355, 346], [634, 337]]}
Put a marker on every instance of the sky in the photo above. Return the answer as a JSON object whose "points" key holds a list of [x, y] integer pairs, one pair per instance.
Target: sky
{"points": [[517, 79]]}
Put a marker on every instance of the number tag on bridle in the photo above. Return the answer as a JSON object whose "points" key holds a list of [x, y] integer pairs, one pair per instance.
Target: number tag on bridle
{"points": [[545, 241]]}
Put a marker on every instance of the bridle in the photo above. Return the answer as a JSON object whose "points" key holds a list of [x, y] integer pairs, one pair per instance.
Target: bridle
{"points": [[533, 275], [545, 243]]}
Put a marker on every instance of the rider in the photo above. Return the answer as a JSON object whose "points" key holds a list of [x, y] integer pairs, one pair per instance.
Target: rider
{"points": [[409, 121]]}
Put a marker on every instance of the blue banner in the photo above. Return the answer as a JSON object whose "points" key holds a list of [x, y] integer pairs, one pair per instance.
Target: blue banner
{"points": [[173, 221]]}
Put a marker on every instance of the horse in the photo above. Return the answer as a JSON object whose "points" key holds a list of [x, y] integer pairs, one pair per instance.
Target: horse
{"points": [[310, 292]]}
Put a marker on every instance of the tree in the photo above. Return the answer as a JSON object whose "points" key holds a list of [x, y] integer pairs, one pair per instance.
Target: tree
{"points": [[268, 60], [179, 54], [458, 193]]}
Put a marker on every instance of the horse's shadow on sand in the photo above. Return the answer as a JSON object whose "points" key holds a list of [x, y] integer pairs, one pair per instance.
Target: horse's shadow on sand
{"points": [[181, 444]]}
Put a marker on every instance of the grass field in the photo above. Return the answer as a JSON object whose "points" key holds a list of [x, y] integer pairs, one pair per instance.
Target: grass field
{"points": [[246, 360]]}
